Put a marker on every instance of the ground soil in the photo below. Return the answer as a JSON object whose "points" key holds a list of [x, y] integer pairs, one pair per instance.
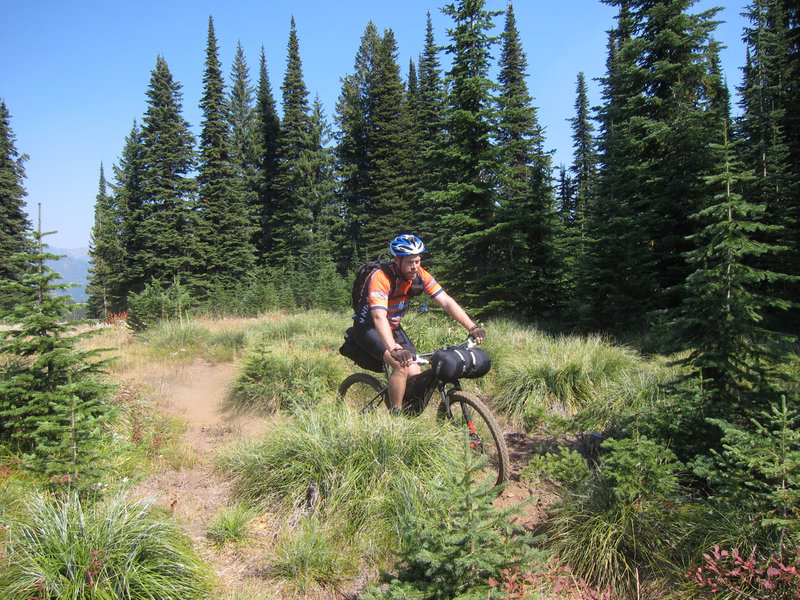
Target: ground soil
{"points": [[196, 492]]}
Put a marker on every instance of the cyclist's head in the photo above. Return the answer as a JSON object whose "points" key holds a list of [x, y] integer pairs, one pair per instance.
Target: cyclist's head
{"points": [[406, 245]]}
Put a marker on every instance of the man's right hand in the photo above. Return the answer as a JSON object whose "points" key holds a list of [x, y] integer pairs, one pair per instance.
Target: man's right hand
{"points": [[401, 355]]}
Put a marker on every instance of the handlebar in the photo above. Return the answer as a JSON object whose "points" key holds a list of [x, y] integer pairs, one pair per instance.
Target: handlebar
{"points": [[468, 343]]}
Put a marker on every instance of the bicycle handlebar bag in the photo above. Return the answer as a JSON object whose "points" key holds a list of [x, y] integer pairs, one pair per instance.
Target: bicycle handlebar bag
{"points": [[460, 363]]}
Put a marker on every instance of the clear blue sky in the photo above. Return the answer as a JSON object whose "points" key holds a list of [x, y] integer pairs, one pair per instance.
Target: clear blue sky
{"points": [[73, 73]]}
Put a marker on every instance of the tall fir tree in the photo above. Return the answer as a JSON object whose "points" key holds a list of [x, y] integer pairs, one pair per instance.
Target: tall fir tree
{"points": [[129, 198], [389, 176], [765, 126], [52, 399], [581, 194], [353, 151], [267, 140], [14, 224], [431, 111], [224, 226], [242, 119], [465, 203], [166, 223], [106, 273], [663, 115], [289, 222], [526, 274], [720, 323]]}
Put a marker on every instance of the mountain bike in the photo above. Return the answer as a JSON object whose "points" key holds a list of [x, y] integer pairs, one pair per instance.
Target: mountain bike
{"points": [[468, 414]]}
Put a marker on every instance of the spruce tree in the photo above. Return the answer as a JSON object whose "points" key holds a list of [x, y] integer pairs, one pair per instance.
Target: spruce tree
{"points": [[106, 273], [661, 117], [242, 119], [389, 175], [52, 409], [224, 226], [765, 126], [526, 266], [14, 224], [166, 226], [431, 111], [267, 134], [720, 322], [466, 201], [130, 203], [290, 219], [353, 148]]}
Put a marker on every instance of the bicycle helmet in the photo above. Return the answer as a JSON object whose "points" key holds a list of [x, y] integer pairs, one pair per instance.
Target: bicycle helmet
{"points": [[406, 245]]}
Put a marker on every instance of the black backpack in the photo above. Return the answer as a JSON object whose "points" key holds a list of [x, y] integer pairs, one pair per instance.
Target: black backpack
{"points": [[358, 295]]}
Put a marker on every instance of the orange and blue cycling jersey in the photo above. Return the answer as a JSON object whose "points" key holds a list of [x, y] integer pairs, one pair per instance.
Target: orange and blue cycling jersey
{"points": [[381, 296]]}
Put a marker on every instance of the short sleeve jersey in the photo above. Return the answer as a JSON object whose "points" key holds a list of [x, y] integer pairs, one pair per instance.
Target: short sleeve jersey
{"points": [[396, 305]]}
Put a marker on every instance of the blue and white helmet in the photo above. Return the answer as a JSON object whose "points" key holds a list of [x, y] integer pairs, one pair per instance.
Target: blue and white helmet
{"points": [[406, 245]]}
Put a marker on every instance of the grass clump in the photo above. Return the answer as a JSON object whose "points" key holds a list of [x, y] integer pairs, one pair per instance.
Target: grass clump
{"points": [[535, 373], [230, 526], [66, 549], [372, 470], [280, 378]]}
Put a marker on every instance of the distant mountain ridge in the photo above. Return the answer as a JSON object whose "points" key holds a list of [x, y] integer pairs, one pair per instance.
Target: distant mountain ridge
{"points": [[73, 267]]}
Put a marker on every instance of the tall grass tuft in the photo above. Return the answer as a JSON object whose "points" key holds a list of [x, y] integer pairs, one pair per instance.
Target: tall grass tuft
{"points": [[535, 372], [112, 549], [280, 378], [230, 526], [372, 469], [309, 556]]}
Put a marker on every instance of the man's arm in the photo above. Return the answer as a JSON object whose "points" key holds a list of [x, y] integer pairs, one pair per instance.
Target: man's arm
{"points": [[458, 314], [379, 318]]}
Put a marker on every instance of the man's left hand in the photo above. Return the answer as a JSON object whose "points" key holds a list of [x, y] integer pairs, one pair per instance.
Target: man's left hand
{"points": [[479, 333]]}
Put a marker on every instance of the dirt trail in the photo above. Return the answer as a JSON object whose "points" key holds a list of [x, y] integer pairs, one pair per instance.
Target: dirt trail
{"points": [[195, 493]]}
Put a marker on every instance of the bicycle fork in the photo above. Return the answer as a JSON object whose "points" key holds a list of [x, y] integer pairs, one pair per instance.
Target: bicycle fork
{"points": [[474, 439]]}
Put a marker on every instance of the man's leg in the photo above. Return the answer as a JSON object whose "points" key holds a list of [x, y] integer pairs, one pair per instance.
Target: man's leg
{"points": [[400, 373]]}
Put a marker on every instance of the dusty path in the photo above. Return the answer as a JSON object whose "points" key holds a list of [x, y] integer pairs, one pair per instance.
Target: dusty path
{"points": [[195, 493]]}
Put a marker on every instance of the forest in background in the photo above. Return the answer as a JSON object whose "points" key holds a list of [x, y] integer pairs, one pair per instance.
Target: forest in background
{"points": [[676, 227]]}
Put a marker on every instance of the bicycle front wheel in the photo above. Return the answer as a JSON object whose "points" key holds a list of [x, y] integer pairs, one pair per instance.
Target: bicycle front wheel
{"points": [[363, 392], [477, 424]]}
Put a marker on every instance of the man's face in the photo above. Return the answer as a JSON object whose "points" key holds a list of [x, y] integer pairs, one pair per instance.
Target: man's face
{"points": [[408, 266]]}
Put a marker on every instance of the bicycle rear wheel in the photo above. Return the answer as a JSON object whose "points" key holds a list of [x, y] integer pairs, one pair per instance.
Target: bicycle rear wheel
{"points": [[474, 419], [363, 392]]}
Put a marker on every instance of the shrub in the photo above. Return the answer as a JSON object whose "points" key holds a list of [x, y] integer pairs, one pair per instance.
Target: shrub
{"points": [[64, 549], [456, 554], [155, 303], [621, 527], [729, 575]]}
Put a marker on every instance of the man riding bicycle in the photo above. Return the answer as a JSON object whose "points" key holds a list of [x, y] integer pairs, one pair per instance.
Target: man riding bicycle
{"points": [[377, 326]]}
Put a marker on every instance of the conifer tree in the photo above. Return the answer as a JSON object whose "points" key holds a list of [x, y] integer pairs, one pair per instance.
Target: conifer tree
{"points": [[389, 175], [353, 149], [720, 322], [289, 221], [662, 116], [466, 201], [14, 224], [52, 408], [766, 122], [224, 225], [431, 111], [242, 119], [166, 222], [267, 134], [130, 203], [106, 274], [526, 267]]}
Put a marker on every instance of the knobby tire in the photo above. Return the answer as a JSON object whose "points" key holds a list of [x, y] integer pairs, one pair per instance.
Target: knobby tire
{"points": [[491, 436], [359, 390]]}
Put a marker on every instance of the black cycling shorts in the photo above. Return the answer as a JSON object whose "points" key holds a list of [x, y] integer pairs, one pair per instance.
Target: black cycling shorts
{"points": [[369, 340]]}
